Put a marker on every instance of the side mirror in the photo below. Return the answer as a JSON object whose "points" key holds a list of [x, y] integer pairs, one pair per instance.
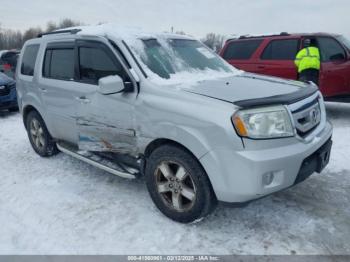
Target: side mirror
{"points": [[113, 84], [337, 57]]}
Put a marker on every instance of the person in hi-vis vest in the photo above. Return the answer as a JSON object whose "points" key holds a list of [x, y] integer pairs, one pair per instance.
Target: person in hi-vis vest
{"points": [[308, 62]]}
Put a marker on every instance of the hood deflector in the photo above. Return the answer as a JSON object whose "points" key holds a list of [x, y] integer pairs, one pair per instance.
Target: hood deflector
{"points": [[284, 99]]}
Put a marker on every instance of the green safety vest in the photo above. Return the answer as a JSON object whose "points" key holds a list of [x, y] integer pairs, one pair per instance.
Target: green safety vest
{"points": [[308, 58]]}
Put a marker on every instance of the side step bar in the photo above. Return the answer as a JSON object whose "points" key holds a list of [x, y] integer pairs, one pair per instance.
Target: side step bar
{"points": [[97, 161]]}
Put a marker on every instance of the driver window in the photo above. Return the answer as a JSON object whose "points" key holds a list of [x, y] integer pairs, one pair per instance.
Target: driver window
{"points": [[94, 63], [330, 49]]}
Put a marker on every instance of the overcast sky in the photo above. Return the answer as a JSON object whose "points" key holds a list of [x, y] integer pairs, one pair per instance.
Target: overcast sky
{"points": [[195, 17]]}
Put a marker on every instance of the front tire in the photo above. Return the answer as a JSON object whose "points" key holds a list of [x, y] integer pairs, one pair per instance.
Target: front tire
{"points": [[178, 184], [39, 136]]}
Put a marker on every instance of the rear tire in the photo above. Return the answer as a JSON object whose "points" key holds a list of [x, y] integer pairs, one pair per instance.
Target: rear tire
{"points": [[178, 184], [39, 137]]}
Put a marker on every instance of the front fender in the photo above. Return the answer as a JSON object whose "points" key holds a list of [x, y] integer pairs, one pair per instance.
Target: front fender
{"points": [[188, 137]]}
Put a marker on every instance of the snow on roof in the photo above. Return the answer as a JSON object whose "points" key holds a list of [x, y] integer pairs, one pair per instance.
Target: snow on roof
{"points": [[115, 31]]}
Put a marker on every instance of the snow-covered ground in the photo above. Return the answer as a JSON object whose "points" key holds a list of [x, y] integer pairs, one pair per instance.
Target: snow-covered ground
{"points": [[63, 206]]}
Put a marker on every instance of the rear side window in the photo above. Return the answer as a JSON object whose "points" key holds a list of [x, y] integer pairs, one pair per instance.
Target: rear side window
{"points": [[95, 63], [330, 49], [59, 64], [281, 50], [28, 60], [240, 50]]}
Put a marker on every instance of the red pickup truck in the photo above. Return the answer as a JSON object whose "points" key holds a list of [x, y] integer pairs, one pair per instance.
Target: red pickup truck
{"points": [[274, 55]]}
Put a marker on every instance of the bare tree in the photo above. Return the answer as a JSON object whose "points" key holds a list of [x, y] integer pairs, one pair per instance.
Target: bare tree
{"points": [[10, 39], [214, 41], [32, 32], [64, 23], [51, 26], [67, 22], [14, 39]]}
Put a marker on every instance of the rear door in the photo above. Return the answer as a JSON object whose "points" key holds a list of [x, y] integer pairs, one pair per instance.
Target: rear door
{"points": [[59, 88], [277, 58], [239, 53], [334, 75]]}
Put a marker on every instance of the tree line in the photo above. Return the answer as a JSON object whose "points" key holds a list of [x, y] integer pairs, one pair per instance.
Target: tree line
{"points": [[14, 39]]}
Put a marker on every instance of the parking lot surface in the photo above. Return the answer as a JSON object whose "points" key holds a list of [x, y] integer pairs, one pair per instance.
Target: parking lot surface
{"points": [[61, 205]]}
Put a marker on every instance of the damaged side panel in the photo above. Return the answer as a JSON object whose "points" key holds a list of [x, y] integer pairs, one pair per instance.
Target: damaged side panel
{"points": [[99, 137], [106, 124]]}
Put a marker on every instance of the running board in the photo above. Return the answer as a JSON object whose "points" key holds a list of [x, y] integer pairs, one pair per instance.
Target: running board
{"points": [[98, 162]]}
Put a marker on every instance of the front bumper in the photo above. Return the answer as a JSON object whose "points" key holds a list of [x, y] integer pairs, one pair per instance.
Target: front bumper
{"points": [[240, 176], [10, 100]]}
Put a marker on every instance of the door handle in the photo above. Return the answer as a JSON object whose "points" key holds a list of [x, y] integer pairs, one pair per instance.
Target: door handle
{"points": [[83, 99], [261, 67]]}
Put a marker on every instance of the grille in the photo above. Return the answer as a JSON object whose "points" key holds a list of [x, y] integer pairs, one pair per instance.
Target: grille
{"points": [[4, 90], [307, 118]]}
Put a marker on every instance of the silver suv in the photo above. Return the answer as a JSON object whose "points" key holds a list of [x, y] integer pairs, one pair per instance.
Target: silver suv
{"points": [[166, 108]]}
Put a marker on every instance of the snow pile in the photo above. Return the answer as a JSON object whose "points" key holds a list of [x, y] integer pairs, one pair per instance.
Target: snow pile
{"points": [[61, 205], [187, 79]]}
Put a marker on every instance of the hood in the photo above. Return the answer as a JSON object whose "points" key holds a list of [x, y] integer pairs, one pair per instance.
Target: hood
{"points": [[248, 89], [5, 80]]}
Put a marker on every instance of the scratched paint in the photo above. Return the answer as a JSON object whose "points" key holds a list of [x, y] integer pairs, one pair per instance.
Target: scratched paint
{"points": [[99, 137]]}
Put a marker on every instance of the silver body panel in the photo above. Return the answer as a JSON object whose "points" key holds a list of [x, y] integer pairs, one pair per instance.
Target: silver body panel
{"points": [[198, 117]]}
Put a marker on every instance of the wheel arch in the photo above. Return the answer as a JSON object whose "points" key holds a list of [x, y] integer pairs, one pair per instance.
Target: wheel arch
{"points": [[26, 110], [153, 145], [164, 141]]}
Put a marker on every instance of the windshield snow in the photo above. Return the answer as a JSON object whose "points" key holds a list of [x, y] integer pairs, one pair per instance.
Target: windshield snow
{"points": [[180, 60], [167, 59]]}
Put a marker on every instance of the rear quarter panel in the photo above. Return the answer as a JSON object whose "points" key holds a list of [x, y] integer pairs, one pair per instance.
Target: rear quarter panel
{"points": [[27, 86]]}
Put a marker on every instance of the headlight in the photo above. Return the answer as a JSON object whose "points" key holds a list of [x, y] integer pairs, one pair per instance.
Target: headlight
{"points": [[263, 123]]}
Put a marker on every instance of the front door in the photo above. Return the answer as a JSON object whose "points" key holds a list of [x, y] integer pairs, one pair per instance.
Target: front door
{"points": [[104, 122], [334, 74]]}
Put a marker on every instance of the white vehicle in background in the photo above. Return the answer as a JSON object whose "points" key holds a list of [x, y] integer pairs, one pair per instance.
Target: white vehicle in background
{"points": [[165, 107]]}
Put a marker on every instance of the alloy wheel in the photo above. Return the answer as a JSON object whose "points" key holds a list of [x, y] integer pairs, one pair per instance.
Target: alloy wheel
{"points": [[37, 134], [175, 186]]}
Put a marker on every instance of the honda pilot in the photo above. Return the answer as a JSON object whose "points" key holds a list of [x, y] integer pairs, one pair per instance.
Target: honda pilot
{"points": [[166, 108]]}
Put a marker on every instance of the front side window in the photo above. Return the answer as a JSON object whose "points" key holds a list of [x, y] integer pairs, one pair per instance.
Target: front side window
{"points": [[95, 63], [281, 50], [29, 59], [59, 64], [241, 50], [330, 49]]}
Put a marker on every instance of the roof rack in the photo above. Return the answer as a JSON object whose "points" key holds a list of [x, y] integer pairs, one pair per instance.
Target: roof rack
{"points": [[70, 31], [259, 36]]}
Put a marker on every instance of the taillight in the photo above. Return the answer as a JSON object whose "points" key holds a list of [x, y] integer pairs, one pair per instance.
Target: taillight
{"points": [[7, 67]]}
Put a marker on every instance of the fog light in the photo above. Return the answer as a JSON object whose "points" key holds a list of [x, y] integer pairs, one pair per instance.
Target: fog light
{"points": [[268, 178]]}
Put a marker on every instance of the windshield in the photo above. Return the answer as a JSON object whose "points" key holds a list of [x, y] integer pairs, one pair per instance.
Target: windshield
{"points": [[168, 58], [344, 40]]}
